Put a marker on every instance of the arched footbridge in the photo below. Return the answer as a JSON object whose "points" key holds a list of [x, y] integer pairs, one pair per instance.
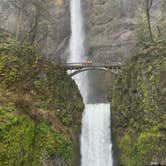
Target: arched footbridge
{"points": [[77, 68]]}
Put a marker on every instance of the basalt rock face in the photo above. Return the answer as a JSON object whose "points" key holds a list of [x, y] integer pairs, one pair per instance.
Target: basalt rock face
{"points": [[111, 34], [60, 30], [110, 28], [138, 109], [46, 22], [109, 25]]}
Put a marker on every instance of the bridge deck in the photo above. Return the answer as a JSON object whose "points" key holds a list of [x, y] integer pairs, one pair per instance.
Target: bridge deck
{"points": [[77, 66]]}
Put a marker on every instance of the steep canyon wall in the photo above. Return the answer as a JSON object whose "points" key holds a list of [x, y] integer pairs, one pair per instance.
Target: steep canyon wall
{"points": [[110, 25]]}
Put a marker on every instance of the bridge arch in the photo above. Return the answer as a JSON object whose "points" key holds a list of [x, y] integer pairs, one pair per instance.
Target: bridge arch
{"points": [[92, 68]]}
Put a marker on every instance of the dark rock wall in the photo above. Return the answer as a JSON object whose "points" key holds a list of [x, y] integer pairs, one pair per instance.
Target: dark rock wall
{"points": [[138, 109], [109, 30], [109, 25], [53, 29]]}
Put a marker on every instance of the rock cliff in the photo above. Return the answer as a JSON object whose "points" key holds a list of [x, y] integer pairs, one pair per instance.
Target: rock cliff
{"points": [[40, 108], [111, 35], [138, 109], [110, 25], [46, 22]]}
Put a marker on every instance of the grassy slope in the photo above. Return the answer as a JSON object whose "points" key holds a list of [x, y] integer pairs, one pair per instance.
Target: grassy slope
{"points": [[40, 108], [139, 109]]}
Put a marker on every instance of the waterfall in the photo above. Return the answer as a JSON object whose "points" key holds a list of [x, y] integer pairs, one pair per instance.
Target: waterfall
{"points": [[96, 147], [95, 139], [77, 51]]}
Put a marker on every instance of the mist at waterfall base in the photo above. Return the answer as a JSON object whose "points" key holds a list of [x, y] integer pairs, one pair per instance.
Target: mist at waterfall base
{"points": [[96, 147]]}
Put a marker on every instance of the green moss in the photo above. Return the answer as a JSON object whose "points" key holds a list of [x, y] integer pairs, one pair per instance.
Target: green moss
{"points": [[138, 108], [23, 141], [32, 89]]}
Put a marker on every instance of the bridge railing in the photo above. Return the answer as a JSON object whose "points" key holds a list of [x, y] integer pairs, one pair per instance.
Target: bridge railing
{"points": [[114, 67], [113, 64]]}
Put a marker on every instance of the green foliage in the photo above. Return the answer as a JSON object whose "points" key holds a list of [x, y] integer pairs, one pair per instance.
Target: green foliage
{"points": [[138, 107], [24, 71], [22, 141], [31, 90]]}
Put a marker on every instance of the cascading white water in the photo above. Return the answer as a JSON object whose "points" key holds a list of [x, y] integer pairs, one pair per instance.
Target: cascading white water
{"points": [[96, 148], [95, 136], [77, 51], [77, 32]]}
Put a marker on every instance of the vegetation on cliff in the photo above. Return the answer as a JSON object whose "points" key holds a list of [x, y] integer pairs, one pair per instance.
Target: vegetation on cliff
{"points": [[40, 108], [138, 108]]}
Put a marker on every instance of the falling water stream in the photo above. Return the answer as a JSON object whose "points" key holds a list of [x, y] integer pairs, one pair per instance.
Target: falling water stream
{"points": [[96, 147]]}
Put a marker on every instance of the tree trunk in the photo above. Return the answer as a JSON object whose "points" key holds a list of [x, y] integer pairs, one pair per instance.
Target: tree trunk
{"points": [[148, 7]]}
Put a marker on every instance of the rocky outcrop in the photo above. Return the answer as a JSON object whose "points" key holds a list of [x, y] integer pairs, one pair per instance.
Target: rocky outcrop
{"points": [[111, 35], [138, 109], [110, 27], [40, 109], [109, 30], [48, 22]]}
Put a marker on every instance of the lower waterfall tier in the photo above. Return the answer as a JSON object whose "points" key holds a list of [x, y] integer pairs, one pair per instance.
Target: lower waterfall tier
{"points": [[96, 146]]}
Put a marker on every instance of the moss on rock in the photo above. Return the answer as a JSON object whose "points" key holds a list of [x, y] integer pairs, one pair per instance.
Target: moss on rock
{"points": [[138, 108], [40, 109]]}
